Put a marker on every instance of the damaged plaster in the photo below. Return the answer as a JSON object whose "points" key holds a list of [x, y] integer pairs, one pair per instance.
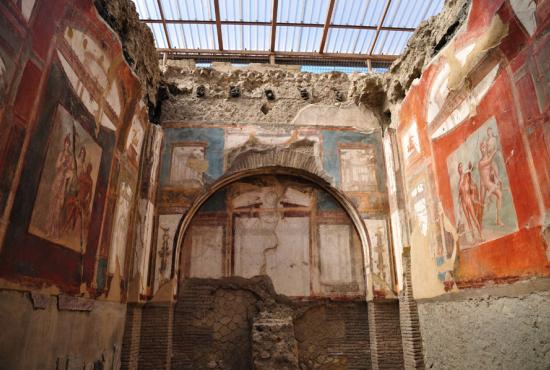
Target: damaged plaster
{"points": [[138, 45]]}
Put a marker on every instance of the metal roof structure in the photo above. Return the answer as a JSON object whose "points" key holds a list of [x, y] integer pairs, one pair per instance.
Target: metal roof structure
{"points": [[313, 32]]}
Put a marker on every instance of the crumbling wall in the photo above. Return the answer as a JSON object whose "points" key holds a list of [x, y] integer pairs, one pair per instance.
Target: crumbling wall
{"points": [[59, 334], [253, 96], [138, 44], [487, 330], [428, 39], [213, 322]]}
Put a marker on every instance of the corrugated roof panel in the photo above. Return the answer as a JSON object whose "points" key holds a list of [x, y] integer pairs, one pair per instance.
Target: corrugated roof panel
{"points": [[314, 11], [391, 42], [158, 33], [401, 13], [245, 10], [238, 37], [303, 39], [147, 9], [341, 40], [192, 36], [361, 45], [348, 11], [374, 12]]}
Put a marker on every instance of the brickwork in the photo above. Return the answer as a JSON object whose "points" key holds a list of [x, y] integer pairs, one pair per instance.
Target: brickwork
{"points": [[385, 335], [334, 335], [410, 324], [155, 350], [274, 345], [212, 327], [132, 334]]}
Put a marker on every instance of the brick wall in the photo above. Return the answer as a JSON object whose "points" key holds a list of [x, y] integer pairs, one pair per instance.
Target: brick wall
{"points": [[132, 334], [334, 335], [410, 325], [385, 335], [212, 326], [155, 350]]}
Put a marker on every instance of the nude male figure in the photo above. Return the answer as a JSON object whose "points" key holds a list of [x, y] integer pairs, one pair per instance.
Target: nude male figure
{"points": [[467, 196], [489, 179]]}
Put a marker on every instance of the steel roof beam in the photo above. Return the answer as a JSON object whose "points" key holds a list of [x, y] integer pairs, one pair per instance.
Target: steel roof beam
{"points": [[380, 25], [282, 24], [201, 53], [218, 23], [326, 26], [275, 6], [163, 21]]}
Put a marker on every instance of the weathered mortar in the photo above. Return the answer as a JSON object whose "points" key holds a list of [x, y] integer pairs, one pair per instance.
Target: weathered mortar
{"points": [[380, 93], [138, 44], [428, 39], [488, 330], [253, 106]]}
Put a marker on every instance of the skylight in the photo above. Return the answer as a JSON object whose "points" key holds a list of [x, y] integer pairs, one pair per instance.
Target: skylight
{"points": [[348, 33]]}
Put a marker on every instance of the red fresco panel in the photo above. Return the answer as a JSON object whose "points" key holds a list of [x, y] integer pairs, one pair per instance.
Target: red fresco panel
{"points": [[48, 14], [28, 91]]}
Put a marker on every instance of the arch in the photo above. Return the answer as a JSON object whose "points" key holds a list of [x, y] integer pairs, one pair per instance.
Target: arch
{"points": [[233, 177]]}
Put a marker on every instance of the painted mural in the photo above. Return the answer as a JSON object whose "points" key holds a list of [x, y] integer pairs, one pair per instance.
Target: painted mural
{"points": [[120, 228], [358, 166], [479, 197], [167, 226], [274, 226], [410, 143], [67, 198], [380, 253], [188, 165], [134, 141], [484, 209], [63, 204]]}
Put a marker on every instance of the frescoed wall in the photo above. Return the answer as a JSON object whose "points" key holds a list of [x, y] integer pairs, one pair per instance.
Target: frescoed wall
{"points": [[276, 226], [196, 156], [474, 140], [474, 143], [72, 127]]}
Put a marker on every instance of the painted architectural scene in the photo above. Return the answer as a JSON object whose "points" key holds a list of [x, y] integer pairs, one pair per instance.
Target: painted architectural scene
{"points": [[273, 226]]}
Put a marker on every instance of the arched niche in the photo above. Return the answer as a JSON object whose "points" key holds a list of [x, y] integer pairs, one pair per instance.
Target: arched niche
{"points": [[286, 175]]}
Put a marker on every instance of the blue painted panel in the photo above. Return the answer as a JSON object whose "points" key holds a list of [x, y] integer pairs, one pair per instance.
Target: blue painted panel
{"points": [[331, 160], [216, 202], [326, 202], [214, 137]]}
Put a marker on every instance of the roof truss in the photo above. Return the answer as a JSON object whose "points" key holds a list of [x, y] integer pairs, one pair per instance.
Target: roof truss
{"points": [[321, 57]]}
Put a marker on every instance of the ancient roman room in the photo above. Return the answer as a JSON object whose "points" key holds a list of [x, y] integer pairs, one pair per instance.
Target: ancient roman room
{"points": [[274, 184]]}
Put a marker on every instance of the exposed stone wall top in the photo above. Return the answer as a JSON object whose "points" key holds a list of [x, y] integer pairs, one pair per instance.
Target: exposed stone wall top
{"points": [[138, 44], [428, 39], [272, 96]]}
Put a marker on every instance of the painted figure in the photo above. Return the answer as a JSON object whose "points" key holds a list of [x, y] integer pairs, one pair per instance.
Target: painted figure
{"points": [[164, 251], [64, 172], [78, 199], [490, 182], [380, 252], [468, 196]]}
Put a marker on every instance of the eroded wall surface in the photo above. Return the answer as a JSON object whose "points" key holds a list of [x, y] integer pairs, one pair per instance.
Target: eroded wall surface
{"points": [[474, 147], [342, 144], [288, 229], [213, 326], [496, 332], [72, 127]]}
